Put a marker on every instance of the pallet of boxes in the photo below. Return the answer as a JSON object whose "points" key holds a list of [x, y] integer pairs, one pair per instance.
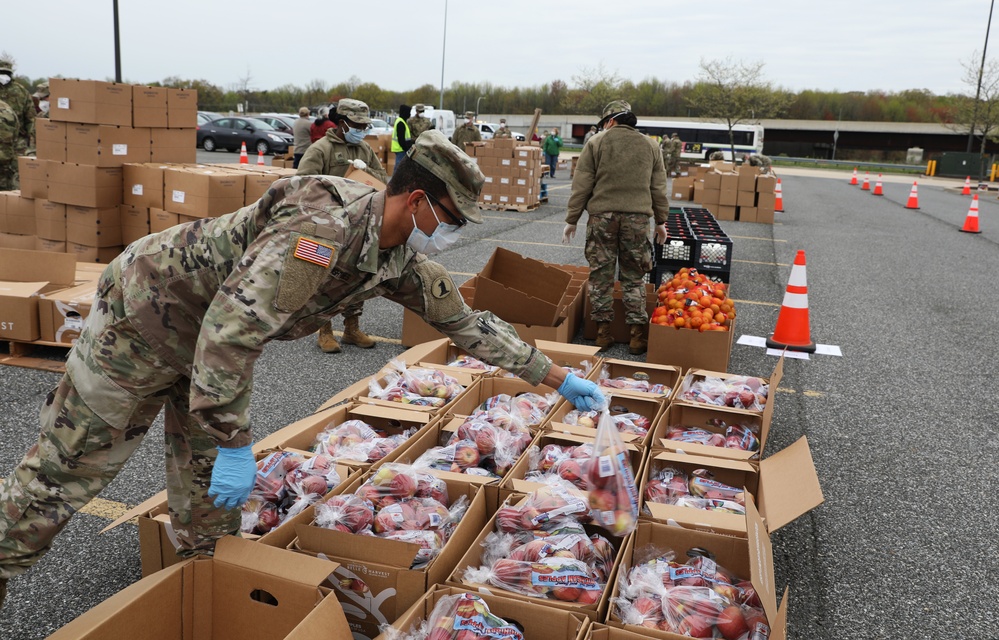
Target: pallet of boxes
{"points": [[513, 174], [728, 192]]}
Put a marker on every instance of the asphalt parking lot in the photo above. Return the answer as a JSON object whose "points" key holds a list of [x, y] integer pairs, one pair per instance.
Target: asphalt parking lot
{"points": [[900, 427]]}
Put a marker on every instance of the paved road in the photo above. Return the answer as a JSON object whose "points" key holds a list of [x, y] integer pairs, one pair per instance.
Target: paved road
{"points": [[901, 427]]}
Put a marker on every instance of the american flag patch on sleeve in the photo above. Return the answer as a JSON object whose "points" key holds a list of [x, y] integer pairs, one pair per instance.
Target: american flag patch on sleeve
{"points": [[314, 252]]}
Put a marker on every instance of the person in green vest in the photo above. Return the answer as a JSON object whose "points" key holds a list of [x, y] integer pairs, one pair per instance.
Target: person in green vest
{"points": [[402, 139]]}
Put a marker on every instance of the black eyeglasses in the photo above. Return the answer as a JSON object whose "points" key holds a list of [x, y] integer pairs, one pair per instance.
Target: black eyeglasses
{"points": [[455, 219]]}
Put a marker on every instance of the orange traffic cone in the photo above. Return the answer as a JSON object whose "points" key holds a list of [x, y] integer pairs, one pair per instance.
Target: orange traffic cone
{"points": [[853, 180], [243, 158], [878, 191], [913, 202], [778, 198], [792, 331], [260, 158], [971, 221], [966, 191], [867, 182]]}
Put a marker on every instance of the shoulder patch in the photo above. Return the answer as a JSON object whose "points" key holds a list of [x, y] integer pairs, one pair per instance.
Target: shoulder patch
{"points": [[440, 297]]}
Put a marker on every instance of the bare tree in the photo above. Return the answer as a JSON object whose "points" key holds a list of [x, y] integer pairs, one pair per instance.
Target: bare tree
{"points": [[242, 87], [733, 93], [594, 88], [980, 118]]}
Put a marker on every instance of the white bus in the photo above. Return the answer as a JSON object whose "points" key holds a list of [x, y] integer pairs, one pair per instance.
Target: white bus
{"points": [[701, 139]]}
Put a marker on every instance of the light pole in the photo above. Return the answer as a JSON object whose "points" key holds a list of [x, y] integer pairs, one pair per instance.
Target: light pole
{"points": [[117, 45], [477, 107], [443, 49], [978, 91]]}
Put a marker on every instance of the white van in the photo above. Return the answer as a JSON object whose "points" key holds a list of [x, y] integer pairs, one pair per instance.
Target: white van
{"points": [[440, 119]]}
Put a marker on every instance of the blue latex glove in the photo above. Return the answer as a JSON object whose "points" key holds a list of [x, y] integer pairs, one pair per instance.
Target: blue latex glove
{"points": [[233, 476], [584, 394]]}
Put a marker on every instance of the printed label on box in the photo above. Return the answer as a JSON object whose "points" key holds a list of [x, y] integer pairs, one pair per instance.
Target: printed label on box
{"points": [[62, 103], [522, 163], [136, 189], [73, 323], [506, 162], [178, 196], [119, 149]]}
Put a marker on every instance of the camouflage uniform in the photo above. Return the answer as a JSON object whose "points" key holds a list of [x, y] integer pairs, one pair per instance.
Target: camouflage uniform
{"points": [[503, 131], [761, 161], [467, 132], [675, 150], [417, 122], [717, 155], [179, 320], [42, 93], [20, 101], [9, 127], [620, 181]]}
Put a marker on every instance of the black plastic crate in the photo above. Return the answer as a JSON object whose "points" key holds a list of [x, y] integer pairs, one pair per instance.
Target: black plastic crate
{"points": [[713, 253], [676, 251], [665, 272]]}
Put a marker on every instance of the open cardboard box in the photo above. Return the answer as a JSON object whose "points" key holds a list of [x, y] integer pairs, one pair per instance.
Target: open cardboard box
{"points": [[438, 354], [301, 435], [584, 358], [690, 349], [533, 620], [598, 631], [24, 276], [749, 558], [619, 328], [785, 487], [373, 577], [61, 313], [486, 388], [364, 177], [473, 558], [666, 375], [520, 289], [464, 378], [648, 408], [246, 591]]}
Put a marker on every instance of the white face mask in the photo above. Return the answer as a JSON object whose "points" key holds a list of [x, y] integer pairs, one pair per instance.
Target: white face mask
{"points": [[4, 79], [43, 105], [443, 236]]}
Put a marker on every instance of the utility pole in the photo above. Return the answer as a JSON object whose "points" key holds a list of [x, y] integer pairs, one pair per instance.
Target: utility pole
{"points": [[981, 71], [443, 49], [117, 45]]}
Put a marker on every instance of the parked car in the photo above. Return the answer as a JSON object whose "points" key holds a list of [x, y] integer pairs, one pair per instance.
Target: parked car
{"points": [[488, 128], [230, 132], [378, 127], [279, 121], [204, 117]]}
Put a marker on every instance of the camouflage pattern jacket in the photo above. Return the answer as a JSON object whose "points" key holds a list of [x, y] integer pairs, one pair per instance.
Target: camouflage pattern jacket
{"points": [[331, 156], [417, 125], [9, 128], [619, 171], [208, 295], [18, 98], [503, 132], [465, 133]]}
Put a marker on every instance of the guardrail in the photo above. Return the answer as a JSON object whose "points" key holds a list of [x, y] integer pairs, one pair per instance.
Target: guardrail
{"points": [[783, 160]]}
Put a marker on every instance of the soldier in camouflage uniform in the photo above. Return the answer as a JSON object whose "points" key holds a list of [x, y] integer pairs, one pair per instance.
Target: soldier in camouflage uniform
{"points": [[503, 131], [675, 149], [18, 99], [181, 317], [9, 128], [759, 160], [41, 94], [620, 181], [467, 132], [334, 155], [418, 123], [717, 155]]}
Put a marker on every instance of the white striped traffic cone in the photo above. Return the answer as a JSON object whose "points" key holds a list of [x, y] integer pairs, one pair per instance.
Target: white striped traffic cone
{"points": [[878, 191], [971, 220], [260, 158], [913, 202], [966, 191], [243, 158], [853, 180], [867, 182], [792, 331], [778, 198]]}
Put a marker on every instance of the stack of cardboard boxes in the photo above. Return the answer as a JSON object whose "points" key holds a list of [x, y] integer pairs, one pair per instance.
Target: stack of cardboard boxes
{"points": [[729, 192], [513, 173]]}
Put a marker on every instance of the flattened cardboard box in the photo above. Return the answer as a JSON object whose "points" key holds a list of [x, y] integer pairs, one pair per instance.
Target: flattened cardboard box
{"points": [[90, 101], [23, 276], [244, 591]]}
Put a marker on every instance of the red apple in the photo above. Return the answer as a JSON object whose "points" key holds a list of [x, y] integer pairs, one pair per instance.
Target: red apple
{"points": [[731, 622]]}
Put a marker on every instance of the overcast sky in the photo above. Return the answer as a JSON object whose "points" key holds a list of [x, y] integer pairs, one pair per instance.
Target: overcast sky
{"points": [[846, 45]]}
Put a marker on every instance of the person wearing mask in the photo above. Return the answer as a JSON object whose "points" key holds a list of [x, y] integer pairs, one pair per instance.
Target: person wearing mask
{"points": [[551, 146], [341, 148], [162, 335], [302, 134], [467, 132], [41, 94], [322, 124], [589, 134], [418, 123], [402, 139], [19, 101], [502, 131], [620, 181], [10, 126]]}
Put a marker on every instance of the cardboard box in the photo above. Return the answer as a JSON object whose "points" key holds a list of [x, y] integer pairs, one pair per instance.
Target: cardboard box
{"points": [[747, 214], [94, 227], [20, 218], [619, 328], [519, 289], [710, 197], [23, 276], [50, 220], [722, 166], [86, 253], [182, 108], [437, 354], [3, 210], [746, 199], [648, 408], [202, 193], [786, 486], [658, 374], [690, 349], [531, 619], [766, 184], [85, 185], [134, 223], [728, 197], [106, 145], [747, 177], [52, 246], [363, 176], [90, 102], [174, 145], [33, 177], [149, 106], [61, 314], [486, 388], [245, 590], [142, 184], [383, 566], [387, 375], [15, 241], [683, 189], [50, 140], [748, 558], [725, 212], [160, 220]]}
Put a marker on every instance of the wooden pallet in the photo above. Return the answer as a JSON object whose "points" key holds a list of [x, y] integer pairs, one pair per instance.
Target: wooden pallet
{"points": [[522, 208], [19, 354]]}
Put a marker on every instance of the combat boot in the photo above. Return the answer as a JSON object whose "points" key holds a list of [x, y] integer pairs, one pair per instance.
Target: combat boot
{"points": [[327, 341], [604, 338], [638, 344], [352, 333], [3, 591]]}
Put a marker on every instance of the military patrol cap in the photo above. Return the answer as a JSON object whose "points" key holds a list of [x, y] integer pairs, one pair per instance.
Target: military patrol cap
{"points": [[420, 108], [6, 64], [42, 90], [613, 108], [469, 114], [354, 110], [463, 178]]}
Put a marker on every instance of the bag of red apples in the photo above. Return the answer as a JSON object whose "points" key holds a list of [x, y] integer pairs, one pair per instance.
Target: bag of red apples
{"points": [[286, 483], [699, 598], [610, 481], [459, 617]]}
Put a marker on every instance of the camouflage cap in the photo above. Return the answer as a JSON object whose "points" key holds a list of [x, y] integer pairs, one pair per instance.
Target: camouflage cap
{"points": [[6, 64], [460, 174], [354, 110], [42, 90], [420, 108], [615, 107], [469, 114]]}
